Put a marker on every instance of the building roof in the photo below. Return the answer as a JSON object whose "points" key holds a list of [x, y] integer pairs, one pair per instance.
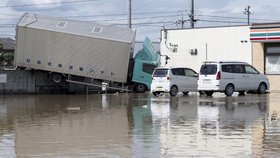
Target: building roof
{"points": [[8, 43], [209, 27], [81, 28], [265, 25], [265, 32]]}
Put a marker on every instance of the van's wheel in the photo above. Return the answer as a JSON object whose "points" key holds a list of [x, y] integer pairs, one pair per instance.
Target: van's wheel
{"points": [[140, 88], [57, 78], [262, 88], [229, 90], [209, 93], [173, 91]]}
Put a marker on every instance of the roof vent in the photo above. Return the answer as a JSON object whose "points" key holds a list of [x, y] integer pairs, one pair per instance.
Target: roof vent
{"points": [[97, 29], [61, 24]]}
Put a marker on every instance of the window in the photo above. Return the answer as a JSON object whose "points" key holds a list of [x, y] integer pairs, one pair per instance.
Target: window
{"points": [[28, 60], [238, 68], [189, 73], [59, 65], [178, 72], [148, 68], [250, 70], [208, 69], [49, 64], [227, 68], [272, 58], [97, 29], [70, 67], [81, 69], [39, 62], [160, 72], [61, 24]]}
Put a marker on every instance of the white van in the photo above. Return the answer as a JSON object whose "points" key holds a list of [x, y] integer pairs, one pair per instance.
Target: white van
{"points": [[174, 80], [230, 77]]}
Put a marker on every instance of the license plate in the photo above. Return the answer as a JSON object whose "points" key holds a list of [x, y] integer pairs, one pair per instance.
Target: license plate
{"points": [[206, 81], [159, 88]]}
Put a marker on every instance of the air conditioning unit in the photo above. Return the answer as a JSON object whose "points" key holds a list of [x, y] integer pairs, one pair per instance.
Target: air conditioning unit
{"points": [[193, 51]]}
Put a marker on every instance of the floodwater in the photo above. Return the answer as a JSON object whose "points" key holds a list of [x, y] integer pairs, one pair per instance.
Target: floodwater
{"points": [[140, 125]]}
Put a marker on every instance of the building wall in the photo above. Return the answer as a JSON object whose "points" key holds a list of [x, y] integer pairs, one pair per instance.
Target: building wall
{"points": [[258, 63], [212, 44], [18, 81], [31, 82], [258, 56]]}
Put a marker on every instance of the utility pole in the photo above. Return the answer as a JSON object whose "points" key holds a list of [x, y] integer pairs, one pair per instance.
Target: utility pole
{"points": [[129, 14], [248, 13], [192, 20], [182, 21]]}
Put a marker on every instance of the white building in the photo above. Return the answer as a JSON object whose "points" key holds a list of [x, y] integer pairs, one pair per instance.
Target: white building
{"points": [[258, 44], [190, 47]]}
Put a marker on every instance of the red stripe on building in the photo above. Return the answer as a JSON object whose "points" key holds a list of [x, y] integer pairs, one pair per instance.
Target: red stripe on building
{"points": [[265, 39], [258, 39]]}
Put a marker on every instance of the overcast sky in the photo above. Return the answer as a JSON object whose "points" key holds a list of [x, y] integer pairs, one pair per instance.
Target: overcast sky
{"points": [[149, 16]]}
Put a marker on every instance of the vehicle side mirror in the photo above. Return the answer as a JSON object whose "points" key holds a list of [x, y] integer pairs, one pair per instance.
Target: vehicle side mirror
{"points": [[195, 75]]}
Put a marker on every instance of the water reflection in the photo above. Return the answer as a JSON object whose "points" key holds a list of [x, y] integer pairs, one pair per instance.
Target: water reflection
{"points": [[140, 125], [6, 133]]}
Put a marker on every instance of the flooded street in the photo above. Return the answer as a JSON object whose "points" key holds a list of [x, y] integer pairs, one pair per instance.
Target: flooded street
{"points": [[140, 125]]}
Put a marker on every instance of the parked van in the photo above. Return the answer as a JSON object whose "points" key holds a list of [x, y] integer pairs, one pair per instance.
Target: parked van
{"points": [[230, 77], [174, 80]]}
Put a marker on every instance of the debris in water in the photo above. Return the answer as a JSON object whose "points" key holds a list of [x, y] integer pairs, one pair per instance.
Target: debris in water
{"points": [[73, 108]]}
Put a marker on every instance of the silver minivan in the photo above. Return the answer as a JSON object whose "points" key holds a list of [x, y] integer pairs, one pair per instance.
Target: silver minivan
{"points": [[230, 77], [174, 80]]}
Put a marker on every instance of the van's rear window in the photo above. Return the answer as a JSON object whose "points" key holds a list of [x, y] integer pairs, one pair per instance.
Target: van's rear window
{"points": [[208, 69], [160, 73]]}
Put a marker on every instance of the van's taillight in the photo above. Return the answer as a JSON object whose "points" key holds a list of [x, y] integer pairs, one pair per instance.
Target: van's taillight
{"points": [[218, 76]]}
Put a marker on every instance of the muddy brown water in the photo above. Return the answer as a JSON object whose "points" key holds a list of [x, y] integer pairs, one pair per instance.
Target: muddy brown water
{"points": [[140, 125]]}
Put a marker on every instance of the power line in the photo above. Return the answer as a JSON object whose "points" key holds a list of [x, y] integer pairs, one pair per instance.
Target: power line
{"points": [[217, 16], [115, 19], [98, 15], [7, 35], [236, 22], [205, 15], [166, 20], [10, 15], [145, 23], [142, 18], [230, 17], [51, 3]]}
